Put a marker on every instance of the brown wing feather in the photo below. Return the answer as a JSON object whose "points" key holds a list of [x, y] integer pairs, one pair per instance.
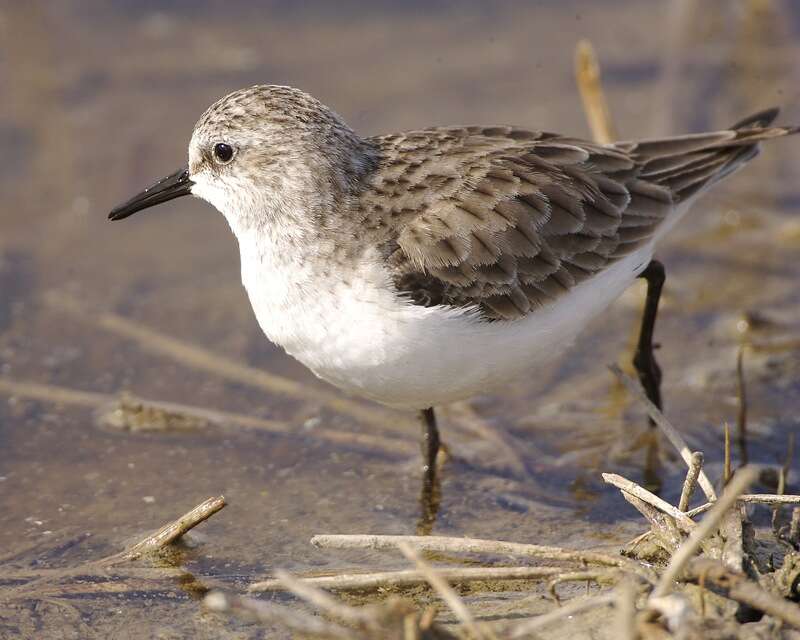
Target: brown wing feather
{"points": [[506, 220]]}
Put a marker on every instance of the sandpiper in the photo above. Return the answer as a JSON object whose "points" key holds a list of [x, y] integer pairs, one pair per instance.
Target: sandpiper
{"points": [[420, 268]]}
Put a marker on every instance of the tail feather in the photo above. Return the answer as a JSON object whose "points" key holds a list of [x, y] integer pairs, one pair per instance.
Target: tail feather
{"points": [[689, 164]]}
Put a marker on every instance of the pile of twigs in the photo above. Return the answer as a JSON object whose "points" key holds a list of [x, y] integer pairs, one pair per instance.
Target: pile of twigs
{"points": [[698, 572]]}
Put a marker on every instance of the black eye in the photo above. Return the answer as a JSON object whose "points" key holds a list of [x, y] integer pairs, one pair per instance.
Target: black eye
{"points": [[223, 152]]}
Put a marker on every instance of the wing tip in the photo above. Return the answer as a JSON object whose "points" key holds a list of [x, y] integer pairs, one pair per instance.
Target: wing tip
{"points": [[758, 120]]}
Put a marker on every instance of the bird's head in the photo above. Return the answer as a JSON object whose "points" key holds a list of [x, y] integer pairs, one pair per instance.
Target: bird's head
{"points": [[264, 153]]}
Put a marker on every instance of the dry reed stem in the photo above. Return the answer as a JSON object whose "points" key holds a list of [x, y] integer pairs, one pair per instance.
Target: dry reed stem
{"points": [[675, 438], [410, 577], [699, 509], [626, 610], [474, 545], [783, 474], [686, 523], [741, 416], [731, 533], [750, 498], [768, 498], [595, 106], [205, 360], [726, 467], [690, 482], [744, 477], [787, 464], [573, 607], [445, 592]]}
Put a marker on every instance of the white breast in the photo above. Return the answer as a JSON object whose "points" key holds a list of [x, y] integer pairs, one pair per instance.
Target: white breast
{"points": [[358, 335]]}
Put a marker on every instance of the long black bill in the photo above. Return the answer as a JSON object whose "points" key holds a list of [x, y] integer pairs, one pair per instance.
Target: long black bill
{"points": [[173, 186]]}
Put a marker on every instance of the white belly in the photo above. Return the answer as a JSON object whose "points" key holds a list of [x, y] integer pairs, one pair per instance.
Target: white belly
{"points": [[361, 338]]}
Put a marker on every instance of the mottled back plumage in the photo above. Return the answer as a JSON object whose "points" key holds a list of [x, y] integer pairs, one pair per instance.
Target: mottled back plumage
{"points": [[506, 220]]}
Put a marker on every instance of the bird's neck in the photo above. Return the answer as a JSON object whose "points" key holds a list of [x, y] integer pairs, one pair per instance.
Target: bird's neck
{"points": [[293, 250]]}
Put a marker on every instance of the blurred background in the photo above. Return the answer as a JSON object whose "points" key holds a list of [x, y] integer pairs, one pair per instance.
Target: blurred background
{"points": [[98, 99]]}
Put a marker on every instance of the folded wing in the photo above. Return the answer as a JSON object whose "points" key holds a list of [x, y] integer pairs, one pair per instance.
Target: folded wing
{"points": [[506, 220]]}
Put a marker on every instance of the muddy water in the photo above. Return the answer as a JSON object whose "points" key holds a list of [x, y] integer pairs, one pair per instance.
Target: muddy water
{"points": [[99, 99]]}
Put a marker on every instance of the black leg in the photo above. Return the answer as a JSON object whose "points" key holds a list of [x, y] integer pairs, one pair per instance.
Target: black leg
{"points": [[430, 442], [644, 360], [648, 370], [431, 495]]}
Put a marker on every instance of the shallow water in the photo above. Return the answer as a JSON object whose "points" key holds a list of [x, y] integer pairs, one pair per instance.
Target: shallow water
{"points": [[100, 99]]}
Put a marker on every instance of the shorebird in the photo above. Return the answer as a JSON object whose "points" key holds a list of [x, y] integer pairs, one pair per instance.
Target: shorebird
{"points": [[419, 268]]}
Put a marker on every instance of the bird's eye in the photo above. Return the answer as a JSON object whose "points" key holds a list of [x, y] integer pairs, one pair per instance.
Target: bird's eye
{"points": [[223, 152]]}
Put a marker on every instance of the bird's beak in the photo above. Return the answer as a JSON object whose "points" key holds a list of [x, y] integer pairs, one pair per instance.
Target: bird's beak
{"points": [[173, 186]]}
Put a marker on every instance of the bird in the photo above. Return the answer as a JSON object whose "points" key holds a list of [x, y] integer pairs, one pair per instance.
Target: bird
{"points": [[420, 268]]}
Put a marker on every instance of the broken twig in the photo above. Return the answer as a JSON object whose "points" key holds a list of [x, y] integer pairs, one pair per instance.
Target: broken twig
{"points": [[170, 532], [686, 523], [707, 526], [744, 590], [671, 432], [690, 482]]}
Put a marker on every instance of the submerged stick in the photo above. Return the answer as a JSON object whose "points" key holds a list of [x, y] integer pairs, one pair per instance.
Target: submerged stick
{"points": [[472, 421], [323, 600], [100, 568], [64, 395], [52, 393], [744, 477], [673, 435], [144, 573], [472, 545], [411, 577], [573, 607], [269, 612], [170, 532]]}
